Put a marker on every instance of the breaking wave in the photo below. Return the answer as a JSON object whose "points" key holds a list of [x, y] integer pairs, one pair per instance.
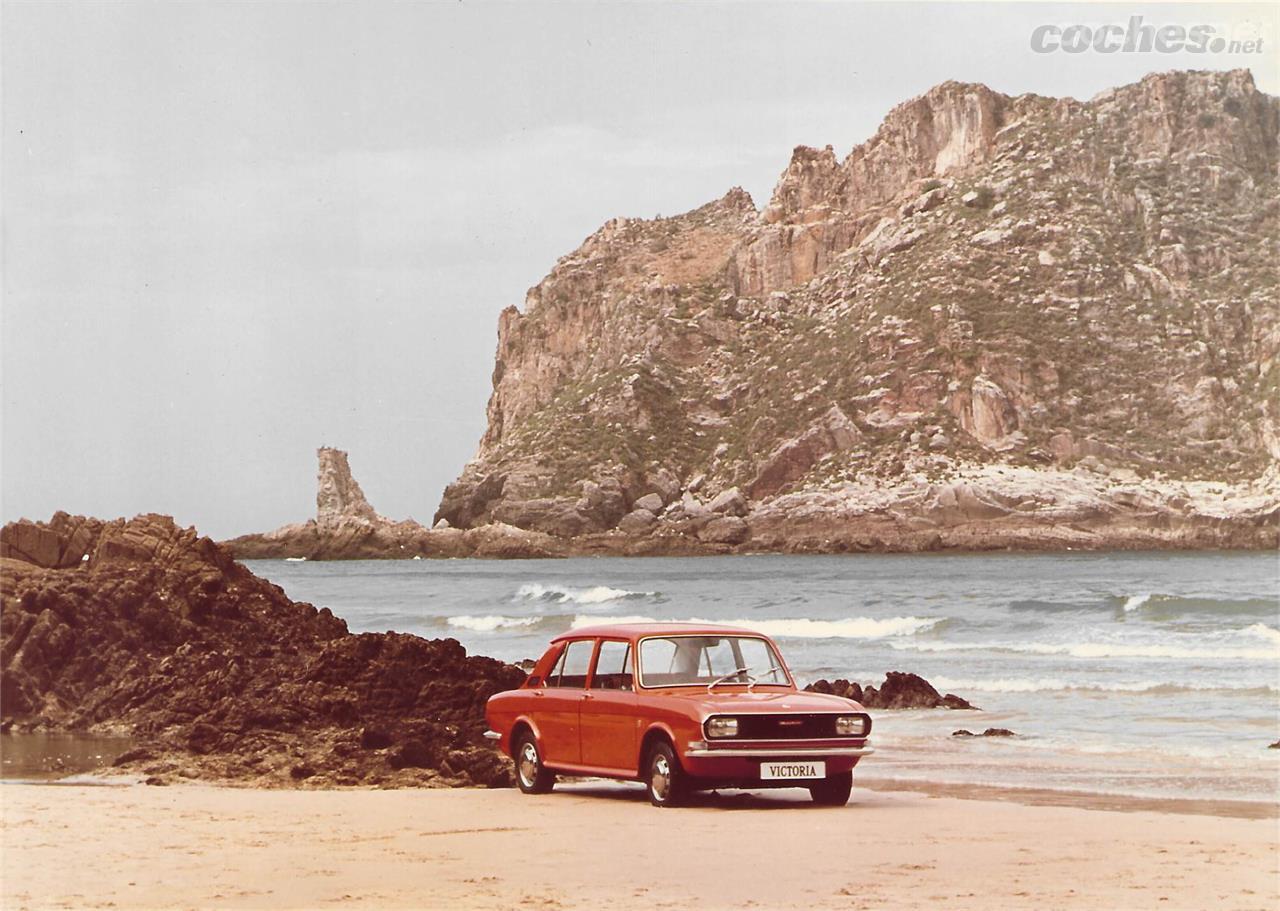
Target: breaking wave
{"points": [[492, 624], [1135, 602], [1262, 631], [1111, 649], [803, 628], [1154, 606], [1053, 684], [559, 594]]}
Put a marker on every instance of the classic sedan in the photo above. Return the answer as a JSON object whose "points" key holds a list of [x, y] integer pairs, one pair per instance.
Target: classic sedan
{"points": [[679, 707]]}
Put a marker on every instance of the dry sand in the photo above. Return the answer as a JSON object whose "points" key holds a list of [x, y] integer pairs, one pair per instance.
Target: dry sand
{"points": [[591, 845]]}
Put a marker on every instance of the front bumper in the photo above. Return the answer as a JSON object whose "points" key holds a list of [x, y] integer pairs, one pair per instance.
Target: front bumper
{"points": [[776, 753], [739, 765]]}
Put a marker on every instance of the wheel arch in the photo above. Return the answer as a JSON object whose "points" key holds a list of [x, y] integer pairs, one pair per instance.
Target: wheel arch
{"points": [[656, 732], [519, 727]]}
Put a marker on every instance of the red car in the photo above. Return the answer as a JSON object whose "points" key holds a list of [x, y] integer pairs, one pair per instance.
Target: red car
{"points": [[680, 707]]}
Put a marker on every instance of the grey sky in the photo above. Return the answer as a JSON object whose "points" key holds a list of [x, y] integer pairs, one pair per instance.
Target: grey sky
{"points": [[236, 232]]}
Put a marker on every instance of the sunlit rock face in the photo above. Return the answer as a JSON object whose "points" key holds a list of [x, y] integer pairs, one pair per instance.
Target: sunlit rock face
{"points": [[1073, 289]]}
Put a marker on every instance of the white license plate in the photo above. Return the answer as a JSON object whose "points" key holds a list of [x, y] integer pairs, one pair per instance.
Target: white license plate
{"points": [[776, 771]]}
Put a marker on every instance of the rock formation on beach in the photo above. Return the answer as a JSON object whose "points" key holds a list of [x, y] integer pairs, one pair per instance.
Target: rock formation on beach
{"points": [[144, 628], [899, 691], [347, 527], [1000, 322]]}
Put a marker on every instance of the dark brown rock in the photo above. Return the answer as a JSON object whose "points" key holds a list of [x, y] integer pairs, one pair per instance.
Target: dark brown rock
{"points": [[899, 691], [219, 675]]}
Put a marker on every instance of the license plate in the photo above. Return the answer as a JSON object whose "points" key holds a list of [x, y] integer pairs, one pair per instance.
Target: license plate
{"points": [[775, 771]]}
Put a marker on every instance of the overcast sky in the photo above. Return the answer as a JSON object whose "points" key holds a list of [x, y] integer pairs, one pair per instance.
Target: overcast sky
{"points": [[234, 232]]}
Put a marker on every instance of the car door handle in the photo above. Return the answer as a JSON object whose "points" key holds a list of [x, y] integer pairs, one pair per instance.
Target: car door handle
{"points": [[539, 693], [586, 695]]}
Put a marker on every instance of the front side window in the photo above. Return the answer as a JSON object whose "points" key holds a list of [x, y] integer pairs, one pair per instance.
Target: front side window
{"points": [[572, 669], [701, 660], [613, 666]]}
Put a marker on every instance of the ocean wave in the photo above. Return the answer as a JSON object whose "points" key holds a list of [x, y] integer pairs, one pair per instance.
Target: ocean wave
{"points": [[1053, 684], [1262, 631], [1097, 650], [1157, 606], [1136, 601], [801, 628], [493, 623], [559, 594]]}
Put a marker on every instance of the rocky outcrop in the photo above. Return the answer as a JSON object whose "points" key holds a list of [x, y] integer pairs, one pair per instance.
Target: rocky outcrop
{"points": [[338, 496], [832, 433], [144, 628], [989, 732], [1000, 322], [899, 691], [346, 527]]}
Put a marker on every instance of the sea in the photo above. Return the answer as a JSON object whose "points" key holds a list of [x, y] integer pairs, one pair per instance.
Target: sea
{"points": [[1146, 675]]}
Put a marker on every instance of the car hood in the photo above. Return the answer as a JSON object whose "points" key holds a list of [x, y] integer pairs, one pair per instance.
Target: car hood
{"points": [[740, 702]]}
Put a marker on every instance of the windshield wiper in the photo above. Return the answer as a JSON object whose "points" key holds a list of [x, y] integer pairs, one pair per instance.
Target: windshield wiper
{"points": [[734, 673]]}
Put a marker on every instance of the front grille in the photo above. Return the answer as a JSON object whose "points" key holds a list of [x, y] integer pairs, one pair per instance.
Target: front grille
{"points": [[786, 727]]}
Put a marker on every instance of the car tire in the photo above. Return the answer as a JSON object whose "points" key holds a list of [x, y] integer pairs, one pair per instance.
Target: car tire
{"points": [[532, 777], [664, 778], [832, 791]]}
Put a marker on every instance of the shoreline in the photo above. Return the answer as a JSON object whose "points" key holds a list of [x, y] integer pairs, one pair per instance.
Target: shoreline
{"points": [[1223, 808], [606, 545], [589, 843], [709, 552]]}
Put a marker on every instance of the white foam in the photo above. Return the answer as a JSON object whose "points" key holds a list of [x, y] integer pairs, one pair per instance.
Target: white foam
{"points": [[1002, 685], [491, 623], [558, 594], [1095, 650], [1053, 684], [1136, 601], [801, 628], [1262, 631]]}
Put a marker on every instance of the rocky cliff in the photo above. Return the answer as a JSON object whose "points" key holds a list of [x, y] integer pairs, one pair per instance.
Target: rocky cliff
{"points": [[346, 527], [144, 628], [1001, 321]]}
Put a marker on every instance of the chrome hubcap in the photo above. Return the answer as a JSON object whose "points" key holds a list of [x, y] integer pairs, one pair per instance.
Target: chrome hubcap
{"points": [[660, 778], [528, 764]]}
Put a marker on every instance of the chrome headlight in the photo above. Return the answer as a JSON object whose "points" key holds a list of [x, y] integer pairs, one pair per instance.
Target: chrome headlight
{"points": [[851, 725], [722, 727]]}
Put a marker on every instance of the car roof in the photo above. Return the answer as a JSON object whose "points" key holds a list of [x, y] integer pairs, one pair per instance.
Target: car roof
{"points": [[638, 630]]}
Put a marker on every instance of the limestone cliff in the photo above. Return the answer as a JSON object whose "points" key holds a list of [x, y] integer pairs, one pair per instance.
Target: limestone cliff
{"points": [[1001, 321]]}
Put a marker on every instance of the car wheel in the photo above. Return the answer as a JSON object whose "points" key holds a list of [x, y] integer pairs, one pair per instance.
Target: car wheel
{"points": [[531, 775], [833, 791], [664, 778]]}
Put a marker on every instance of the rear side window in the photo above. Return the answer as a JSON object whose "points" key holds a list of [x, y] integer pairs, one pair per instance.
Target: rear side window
{"points": [[613, 666], [572, 670]]}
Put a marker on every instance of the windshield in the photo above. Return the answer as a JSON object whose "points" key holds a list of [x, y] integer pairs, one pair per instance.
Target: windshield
{"points": [[701, 660]]}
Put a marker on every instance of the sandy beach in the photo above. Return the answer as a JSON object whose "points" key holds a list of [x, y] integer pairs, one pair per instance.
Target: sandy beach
{"points": [[589, 845]]}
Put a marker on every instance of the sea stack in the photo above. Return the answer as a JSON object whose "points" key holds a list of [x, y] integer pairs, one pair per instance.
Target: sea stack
{"points": [[347, 527]]}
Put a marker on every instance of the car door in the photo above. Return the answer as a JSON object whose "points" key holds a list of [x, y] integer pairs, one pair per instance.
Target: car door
{"points": [[559, 707], [607, 721]]}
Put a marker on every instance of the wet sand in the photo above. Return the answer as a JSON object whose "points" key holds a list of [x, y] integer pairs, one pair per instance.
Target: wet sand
{"points": [[590, 845]]}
